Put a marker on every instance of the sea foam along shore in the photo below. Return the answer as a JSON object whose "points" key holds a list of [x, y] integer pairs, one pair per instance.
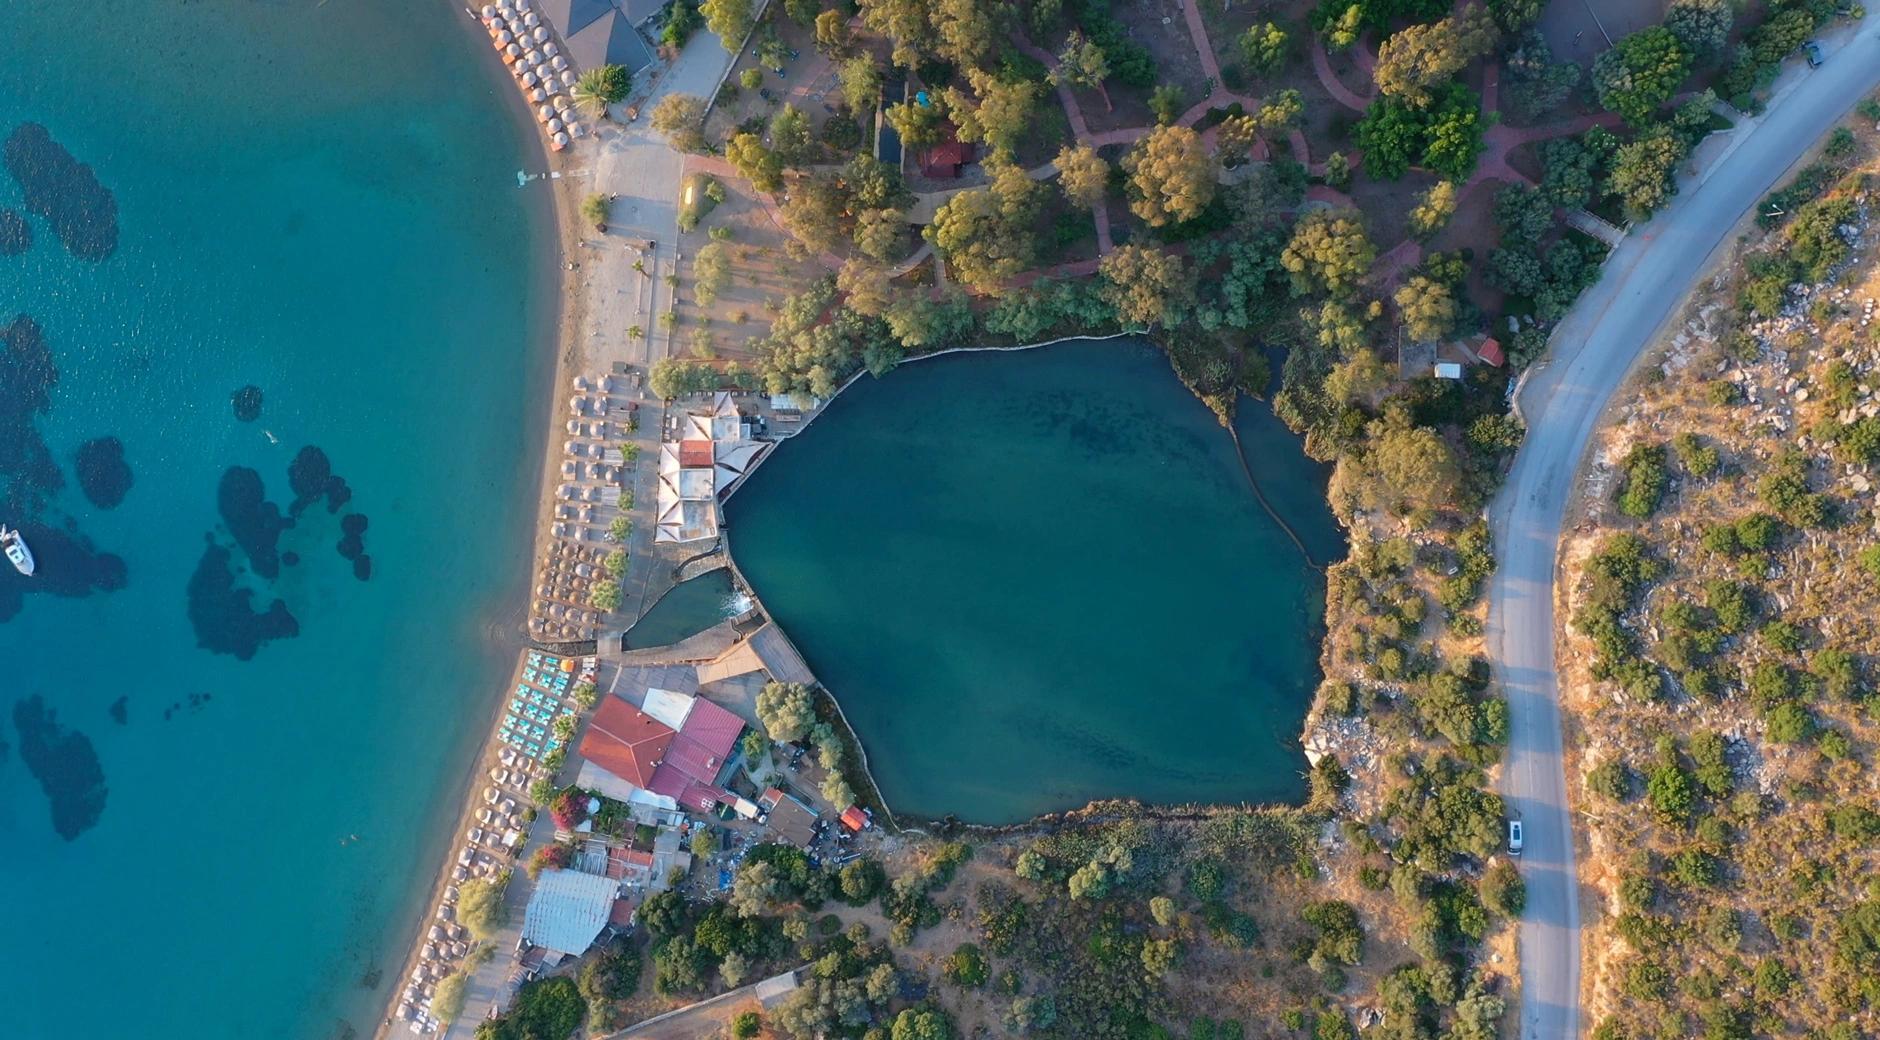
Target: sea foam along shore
{"points": [[562, 302]]}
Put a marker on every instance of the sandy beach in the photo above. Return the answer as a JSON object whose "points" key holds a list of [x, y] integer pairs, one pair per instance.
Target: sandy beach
{"points": [[554, 246]]}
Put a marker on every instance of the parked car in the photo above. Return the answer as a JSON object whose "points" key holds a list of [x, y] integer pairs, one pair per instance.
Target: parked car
{"points": [[1812, 51], [1514, 837]]}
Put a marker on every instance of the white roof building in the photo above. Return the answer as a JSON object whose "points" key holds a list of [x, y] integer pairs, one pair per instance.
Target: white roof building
{"points": [[568, 909], [712, 452], [668, 707]]}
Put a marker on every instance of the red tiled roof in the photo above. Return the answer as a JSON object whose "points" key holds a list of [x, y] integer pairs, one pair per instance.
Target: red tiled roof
{"points": [[853, 819], [695, 454], [1491, 353], [946, 158], [626, 742], [713, 727], [770, 797]]}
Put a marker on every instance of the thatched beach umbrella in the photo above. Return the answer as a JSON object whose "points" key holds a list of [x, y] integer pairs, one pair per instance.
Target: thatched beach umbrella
{"points": [[495, 25], [540, 34], [503, 38], [561, 104], [568, 78], [560, 141], [523, 5], [554, 125], [530, 19], [538, 95], [489, 11], [551, 49], [558, 63], [511, 53]]}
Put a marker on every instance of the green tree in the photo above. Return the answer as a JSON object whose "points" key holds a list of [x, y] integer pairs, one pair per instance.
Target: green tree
{"points": [[1434, 209], [1640, 73], [480, 906], [1428, 308], [1452, 141], [1082, 174], [1702, 26], [1420, 57], [1172, 176], [861, 81], [881, 233], [985, 234], [594, 210], [1503, 890], [833, 37], [728, 19], [681, 117], [605, 595], [1167, 101], [1532, 82], [1328, 252], [711, 272], [599, 87], [790, 135], [1159, 956], [1263, 48], [447, 1002], [1002, 115], [920, 126], [1642, 171], [1083, 64], [966, 967], [756, 163], [1146, 286], [921, 1023], [787, 711], [1413, 464], [966, 30]]}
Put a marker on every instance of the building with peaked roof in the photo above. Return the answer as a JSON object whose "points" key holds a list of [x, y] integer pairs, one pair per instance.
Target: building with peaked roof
{"points": [[598, 33], [714, 449], [568, 909], [671, 751], [626, 742], [787, 817]]}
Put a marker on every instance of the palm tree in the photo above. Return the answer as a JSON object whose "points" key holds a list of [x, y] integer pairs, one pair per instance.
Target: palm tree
{"points": [[599, 87]]}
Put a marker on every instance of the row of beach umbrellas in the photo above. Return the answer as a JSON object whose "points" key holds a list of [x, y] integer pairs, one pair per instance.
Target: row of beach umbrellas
{"points": [[544, 73]]}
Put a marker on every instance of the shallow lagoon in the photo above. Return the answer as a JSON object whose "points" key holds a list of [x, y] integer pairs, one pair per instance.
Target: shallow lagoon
{"points": [[1037, 578]]}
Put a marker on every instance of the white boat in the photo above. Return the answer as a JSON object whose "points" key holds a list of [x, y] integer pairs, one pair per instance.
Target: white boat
{"points": [[17, 553]]}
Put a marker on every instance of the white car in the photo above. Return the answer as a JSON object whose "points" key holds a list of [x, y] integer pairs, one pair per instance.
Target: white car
{"points": [[1514, 837]]}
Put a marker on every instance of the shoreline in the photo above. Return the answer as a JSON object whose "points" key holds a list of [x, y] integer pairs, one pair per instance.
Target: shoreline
{"points": [[503, 621]]}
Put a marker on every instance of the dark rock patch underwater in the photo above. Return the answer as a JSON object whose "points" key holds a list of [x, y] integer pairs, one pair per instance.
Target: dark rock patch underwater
{"points": [[65, 764], [62, 190], [102, 471]]}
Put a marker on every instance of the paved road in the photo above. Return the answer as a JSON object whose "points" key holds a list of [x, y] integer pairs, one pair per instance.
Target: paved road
{"points": [[1592, 351]]}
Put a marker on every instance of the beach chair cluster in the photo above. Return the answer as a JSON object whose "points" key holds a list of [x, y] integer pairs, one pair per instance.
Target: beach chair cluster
{"points": [[595, 491], [538, 700]]}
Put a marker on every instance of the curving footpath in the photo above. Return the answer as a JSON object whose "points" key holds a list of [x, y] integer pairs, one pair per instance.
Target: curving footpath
{"points": [[1593, 349]]}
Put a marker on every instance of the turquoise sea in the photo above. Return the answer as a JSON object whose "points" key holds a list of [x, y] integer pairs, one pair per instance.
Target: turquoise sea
{"points": [[1037, 578], [218, 821]]}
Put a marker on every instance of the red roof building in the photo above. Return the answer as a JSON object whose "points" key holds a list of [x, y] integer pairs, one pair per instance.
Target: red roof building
{"points": [[1490, 352], [695, 454], [854, 819], [945, 159], [626, 742]]}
